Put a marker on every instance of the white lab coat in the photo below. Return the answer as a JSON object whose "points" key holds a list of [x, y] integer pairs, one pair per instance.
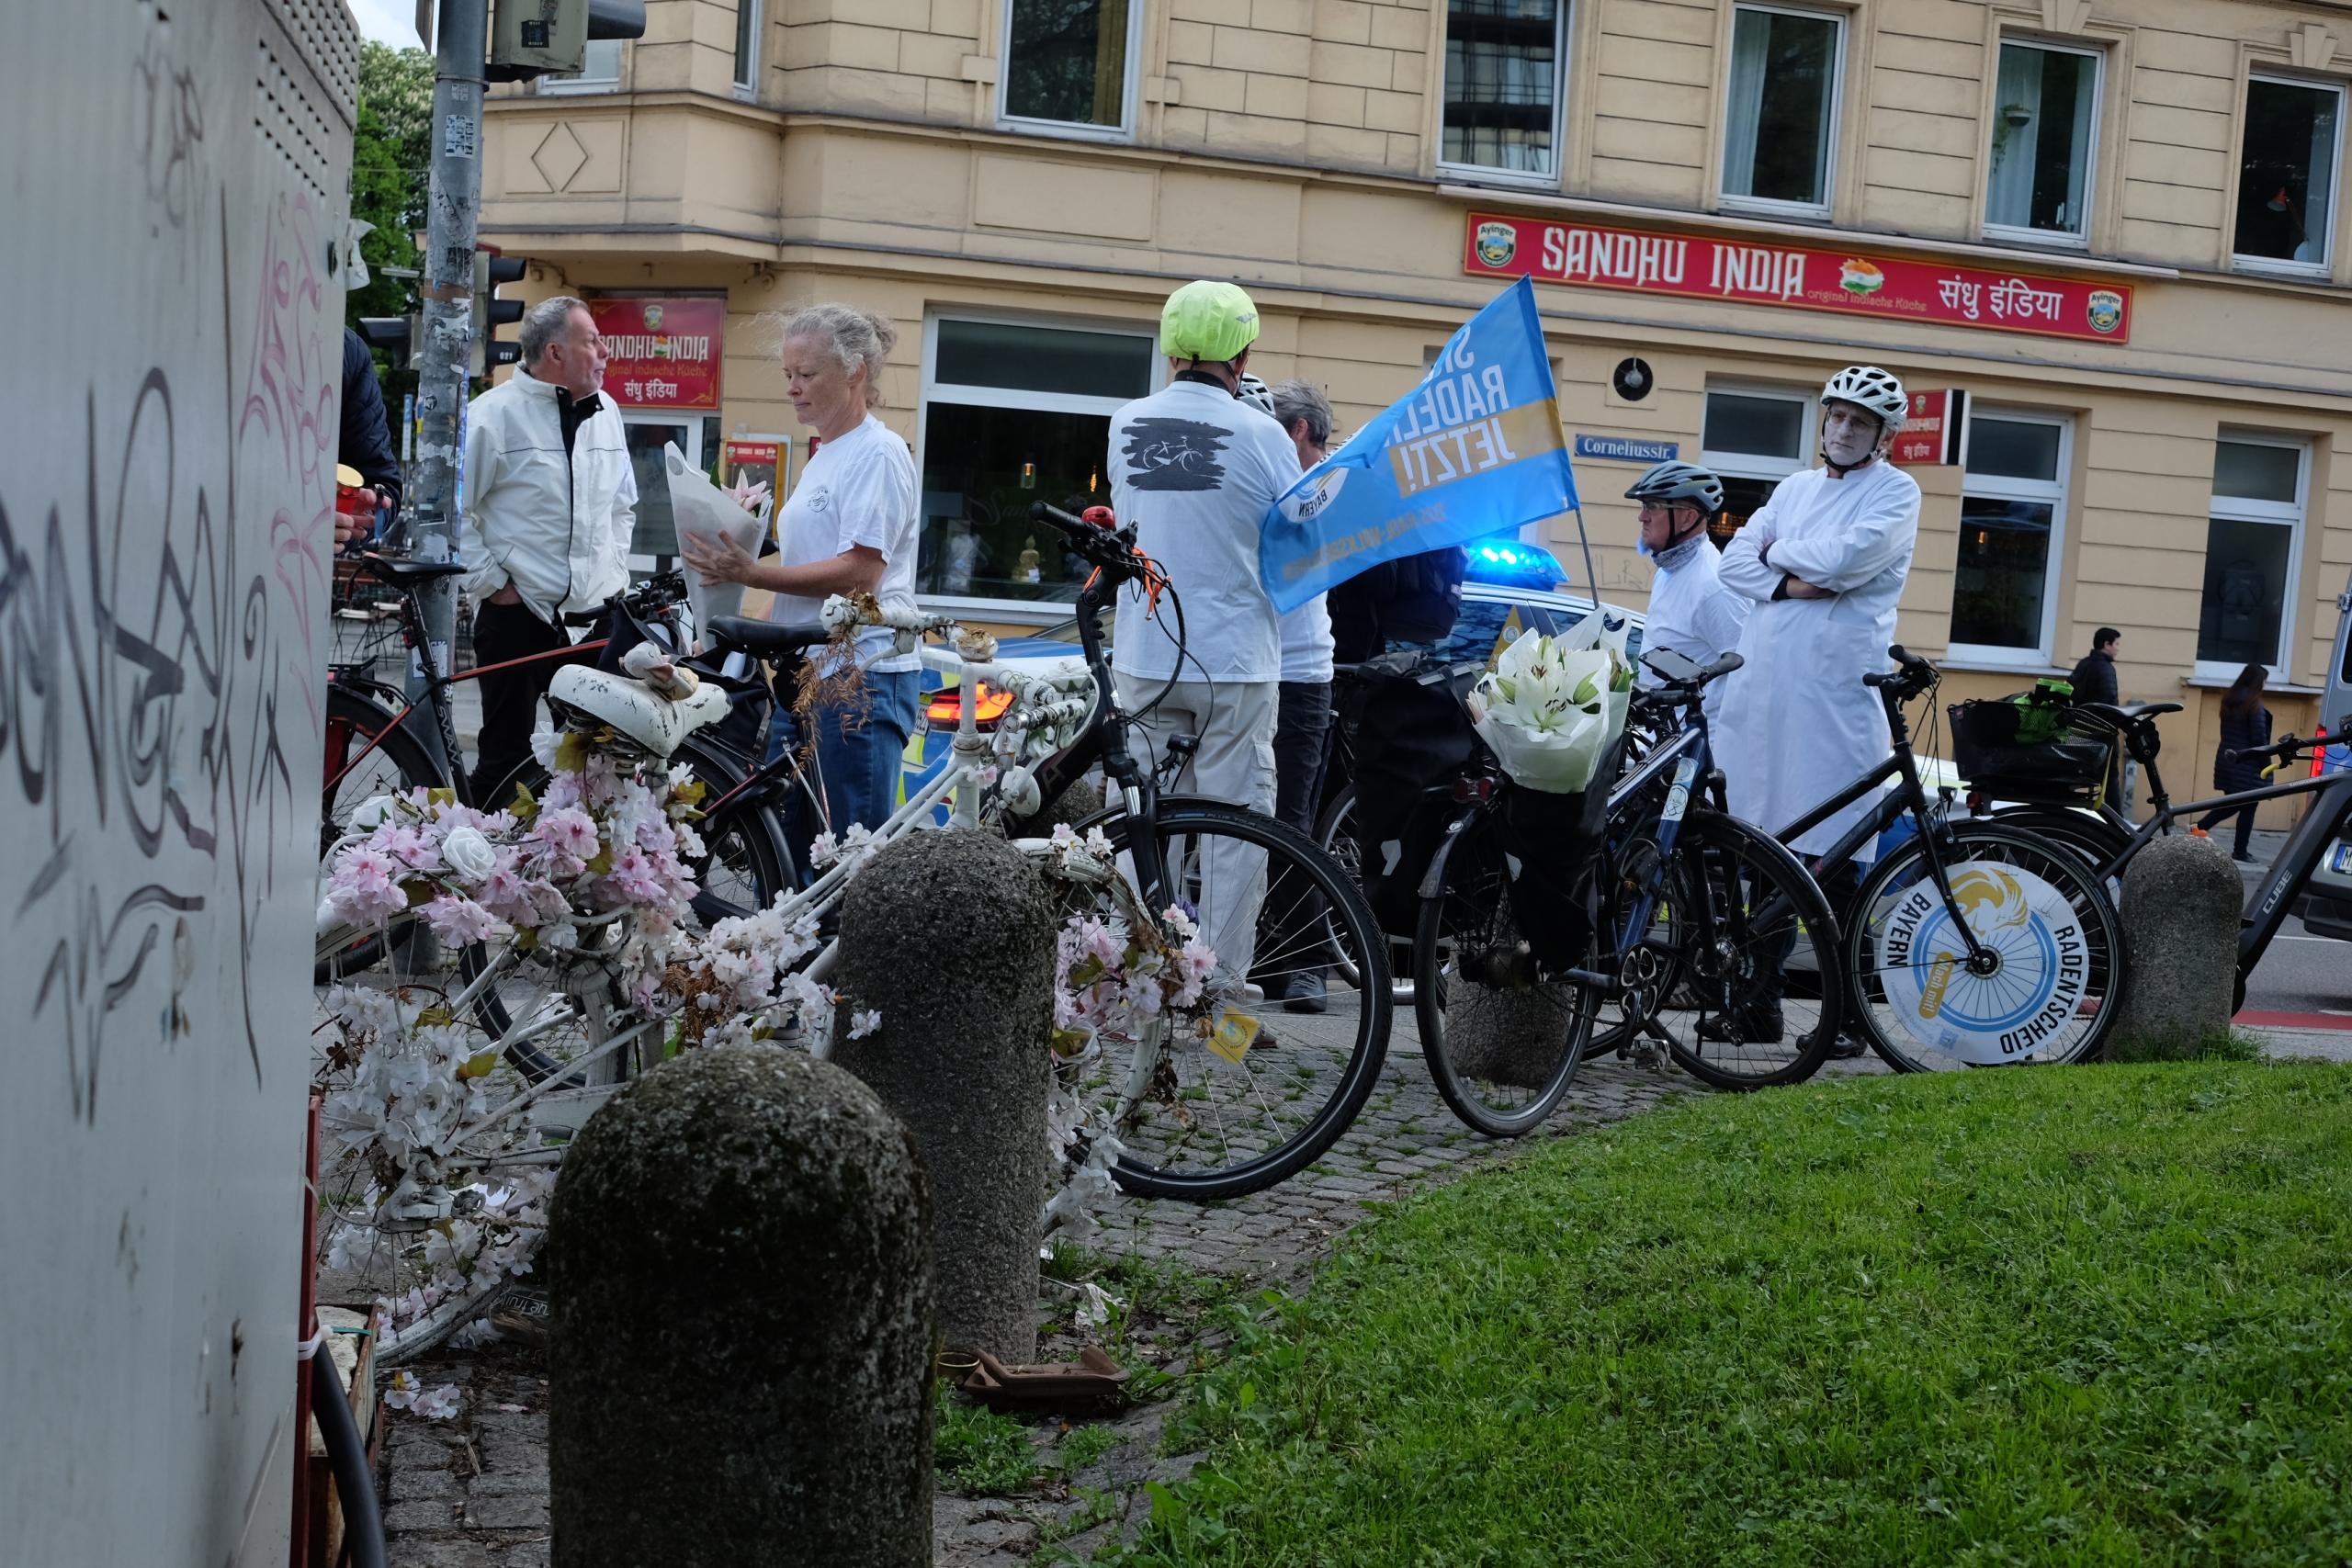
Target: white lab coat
{"points": [[1797, 725], [1693, 612]]}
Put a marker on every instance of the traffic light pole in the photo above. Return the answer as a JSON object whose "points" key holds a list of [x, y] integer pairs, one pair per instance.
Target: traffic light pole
{"points": [[445, 354]]}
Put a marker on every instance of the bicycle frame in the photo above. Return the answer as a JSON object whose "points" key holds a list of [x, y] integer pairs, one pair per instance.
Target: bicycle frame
{"points": [[2274, 898]]}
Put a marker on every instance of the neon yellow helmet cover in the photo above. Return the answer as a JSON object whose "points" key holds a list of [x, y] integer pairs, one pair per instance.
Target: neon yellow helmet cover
{"points": [[1207, 321]]}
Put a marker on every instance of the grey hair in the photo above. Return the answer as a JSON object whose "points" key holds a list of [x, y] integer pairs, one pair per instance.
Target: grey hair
{"points": [[1294, 401], [545, 322], [852, 336]]}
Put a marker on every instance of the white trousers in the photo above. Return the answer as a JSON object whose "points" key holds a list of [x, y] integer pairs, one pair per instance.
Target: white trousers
{"points": [[1234, 722]]}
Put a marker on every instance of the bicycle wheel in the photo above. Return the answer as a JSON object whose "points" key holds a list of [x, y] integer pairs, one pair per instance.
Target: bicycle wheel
{"points": [[1737, 912], [2095, 838], [2047, 987], [1195, 1123], [398, 763], [1335, 835], [1501, 1041]]}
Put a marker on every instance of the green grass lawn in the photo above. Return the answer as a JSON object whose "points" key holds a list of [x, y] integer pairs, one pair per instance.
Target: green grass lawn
{"points": [[2093, 1316]]}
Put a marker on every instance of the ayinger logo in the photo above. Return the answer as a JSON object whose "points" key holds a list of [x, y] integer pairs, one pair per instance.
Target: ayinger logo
{"points": [[1498, 242]]}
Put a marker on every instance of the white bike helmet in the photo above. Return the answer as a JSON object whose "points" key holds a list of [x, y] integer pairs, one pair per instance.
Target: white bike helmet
{"points": [[1867, 385], [1257, 394]]}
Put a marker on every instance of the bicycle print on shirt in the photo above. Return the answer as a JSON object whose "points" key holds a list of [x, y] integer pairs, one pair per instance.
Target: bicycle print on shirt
{"points": [[1175, 454]]}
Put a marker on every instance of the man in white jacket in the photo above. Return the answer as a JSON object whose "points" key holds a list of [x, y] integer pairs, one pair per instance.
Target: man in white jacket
{"points": [[550, 504], [1823, 561]]}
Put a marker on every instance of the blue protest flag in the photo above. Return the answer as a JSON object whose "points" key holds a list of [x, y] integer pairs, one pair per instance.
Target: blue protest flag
{"points": [[1473, 450]]}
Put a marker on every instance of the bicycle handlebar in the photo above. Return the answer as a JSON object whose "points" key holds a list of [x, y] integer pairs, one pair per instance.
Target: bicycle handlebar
{"points": [[1914, 675], [2277, 752], [1111, 549]]}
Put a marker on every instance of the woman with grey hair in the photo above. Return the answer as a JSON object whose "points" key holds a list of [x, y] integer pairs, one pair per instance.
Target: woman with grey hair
{"points": [[848, 527]]}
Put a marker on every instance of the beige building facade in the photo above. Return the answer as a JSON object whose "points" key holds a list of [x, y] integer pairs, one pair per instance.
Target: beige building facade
{"points": [[2115, 228]]}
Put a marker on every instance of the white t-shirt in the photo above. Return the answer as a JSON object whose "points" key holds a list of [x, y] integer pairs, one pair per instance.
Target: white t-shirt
{"points": [[858, 489], [1306, 641], [1195, 469]]}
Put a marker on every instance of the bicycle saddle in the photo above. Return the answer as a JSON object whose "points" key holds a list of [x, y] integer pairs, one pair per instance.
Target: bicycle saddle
{"points": [[764, 639], [402, 570], [2128, 714], [634, 709]]}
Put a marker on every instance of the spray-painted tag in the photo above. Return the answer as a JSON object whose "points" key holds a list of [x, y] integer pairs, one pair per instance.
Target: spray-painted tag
{"points": [[1231, 1037]]}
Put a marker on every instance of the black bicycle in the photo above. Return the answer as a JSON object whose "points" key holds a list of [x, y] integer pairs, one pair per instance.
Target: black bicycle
{"points": [[1539, 910], [1973, 941], [2108, 839]]}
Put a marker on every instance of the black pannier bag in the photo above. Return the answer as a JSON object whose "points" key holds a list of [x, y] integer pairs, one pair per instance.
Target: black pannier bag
{"points": [[1413, 740], [1555, 840]]}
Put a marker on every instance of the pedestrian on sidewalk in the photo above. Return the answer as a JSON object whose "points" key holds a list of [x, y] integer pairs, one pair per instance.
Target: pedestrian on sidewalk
{"points": [[2245, 726], [2094, 681]]}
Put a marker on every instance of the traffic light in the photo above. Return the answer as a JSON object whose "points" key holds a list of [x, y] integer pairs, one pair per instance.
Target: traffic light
{"points": [[490, 313], [538, 37], [396, 335]]}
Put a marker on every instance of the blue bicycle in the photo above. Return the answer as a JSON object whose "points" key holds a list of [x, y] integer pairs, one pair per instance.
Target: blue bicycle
{"points": [[1646, 910]]}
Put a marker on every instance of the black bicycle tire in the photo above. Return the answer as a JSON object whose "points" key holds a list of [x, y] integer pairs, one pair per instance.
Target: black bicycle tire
{"points": [[1338, 809], [417, 769], [2092, 891], [1430, 996], [763, 835], [1798, 885], [1177, 814], [2095, 838]]}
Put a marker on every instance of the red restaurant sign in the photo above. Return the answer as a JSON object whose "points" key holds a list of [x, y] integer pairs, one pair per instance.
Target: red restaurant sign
{"points": [[663, 353], [1851, 282], [1930, 432]]}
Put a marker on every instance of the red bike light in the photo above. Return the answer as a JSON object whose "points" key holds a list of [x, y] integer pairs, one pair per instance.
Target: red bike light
{"points": [[1099, 516], [947, 707], [1478, 791]]}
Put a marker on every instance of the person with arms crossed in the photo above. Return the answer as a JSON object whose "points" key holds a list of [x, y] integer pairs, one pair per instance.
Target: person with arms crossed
{"points": [[848, 527], [1824, 563], [550, 504], [1194, 469]]}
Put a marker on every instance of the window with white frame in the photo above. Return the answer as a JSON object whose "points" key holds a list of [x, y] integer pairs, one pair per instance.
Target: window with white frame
{"points": [[1503, 86], [1068, 65], [2045, 135], [1780, 116], [1753, 437], [600, 71], [1015, 413], [2287, 173], [747, 47], [2012, 522], [2251, 542]]}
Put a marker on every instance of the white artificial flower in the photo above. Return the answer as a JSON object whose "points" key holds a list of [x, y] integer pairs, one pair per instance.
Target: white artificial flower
{"points": [[544, 743], [469, 854], [370, 813], [862, 1024]]}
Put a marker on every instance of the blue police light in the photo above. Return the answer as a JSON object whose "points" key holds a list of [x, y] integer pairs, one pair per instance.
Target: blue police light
{"points": [[1506, 560]]}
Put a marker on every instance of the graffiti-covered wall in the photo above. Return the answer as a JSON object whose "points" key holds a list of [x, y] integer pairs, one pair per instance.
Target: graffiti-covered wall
{"points": [[170, 353]]}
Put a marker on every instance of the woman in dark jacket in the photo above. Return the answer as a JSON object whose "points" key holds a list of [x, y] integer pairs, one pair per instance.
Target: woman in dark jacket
{"points": [[2245, 726]]}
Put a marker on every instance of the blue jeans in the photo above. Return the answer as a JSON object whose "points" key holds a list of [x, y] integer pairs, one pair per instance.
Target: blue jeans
{"points": [[858, 763]]}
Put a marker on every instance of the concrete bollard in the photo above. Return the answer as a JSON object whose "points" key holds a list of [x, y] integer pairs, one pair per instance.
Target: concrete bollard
{"points": [[743, 1316], [950, 937], [2181, 902]]}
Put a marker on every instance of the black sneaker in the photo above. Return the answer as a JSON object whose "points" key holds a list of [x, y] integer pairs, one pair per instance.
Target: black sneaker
{"points": [[1748, 1026], [1305, 993], [1847, 1047]]}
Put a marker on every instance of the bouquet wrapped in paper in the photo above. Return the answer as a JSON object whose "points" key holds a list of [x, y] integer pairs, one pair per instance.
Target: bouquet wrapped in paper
{"points": [[1551, 707], [701, 509]]}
